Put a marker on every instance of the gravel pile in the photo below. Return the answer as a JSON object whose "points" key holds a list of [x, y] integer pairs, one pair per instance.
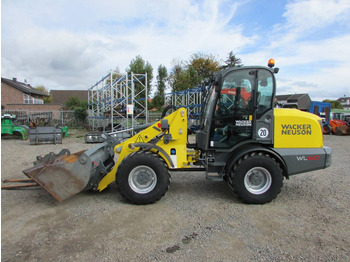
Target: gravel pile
{"points": [[197, 220]]}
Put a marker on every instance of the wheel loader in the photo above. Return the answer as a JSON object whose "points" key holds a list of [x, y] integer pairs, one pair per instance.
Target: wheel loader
{"points": [[242, 139]]}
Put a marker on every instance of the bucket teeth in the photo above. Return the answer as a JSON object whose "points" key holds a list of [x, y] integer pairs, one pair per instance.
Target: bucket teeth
{"points": [[49, 158]]}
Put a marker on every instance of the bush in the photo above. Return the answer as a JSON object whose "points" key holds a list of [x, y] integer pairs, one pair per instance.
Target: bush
{"points": [[79, 107], [80, 113]]}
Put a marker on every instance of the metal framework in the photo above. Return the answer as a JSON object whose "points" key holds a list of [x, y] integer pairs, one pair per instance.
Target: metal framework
{"points": [[120, 103], [191, 99]]}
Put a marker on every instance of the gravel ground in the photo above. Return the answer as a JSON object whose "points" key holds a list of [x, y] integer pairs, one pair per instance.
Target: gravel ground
{"points": [[197, 220]]}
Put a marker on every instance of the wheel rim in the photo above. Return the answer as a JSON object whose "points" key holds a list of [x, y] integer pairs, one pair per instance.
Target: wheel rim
{"points": [[142, 179], [257, 180]]}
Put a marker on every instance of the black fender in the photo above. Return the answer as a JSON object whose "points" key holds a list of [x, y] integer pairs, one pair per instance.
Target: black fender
{"points": [[250, 148], [148, 146]]}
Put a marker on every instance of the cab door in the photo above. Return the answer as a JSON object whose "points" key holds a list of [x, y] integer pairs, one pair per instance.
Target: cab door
{"points": [[243, 109], [263, 115]]}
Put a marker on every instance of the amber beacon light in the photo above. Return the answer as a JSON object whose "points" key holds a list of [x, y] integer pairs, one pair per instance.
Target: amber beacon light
{"points": [[271, 63]]}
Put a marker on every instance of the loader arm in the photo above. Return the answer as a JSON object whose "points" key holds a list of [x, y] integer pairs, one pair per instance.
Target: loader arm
{"points": [[167, 138]]}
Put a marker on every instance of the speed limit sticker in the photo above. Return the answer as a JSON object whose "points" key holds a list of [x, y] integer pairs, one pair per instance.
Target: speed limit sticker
{"points": [[263, 132]]}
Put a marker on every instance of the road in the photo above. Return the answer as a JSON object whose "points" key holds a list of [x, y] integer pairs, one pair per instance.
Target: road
{"points": [[197, 220]]}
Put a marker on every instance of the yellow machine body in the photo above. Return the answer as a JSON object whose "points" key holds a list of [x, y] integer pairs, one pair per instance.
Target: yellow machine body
{"points": [[174, 152], [296, 129]]}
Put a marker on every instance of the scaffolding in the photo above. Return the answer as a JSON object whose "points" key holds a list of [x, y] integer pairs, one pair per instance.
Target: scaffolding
{"points": [[191, 99], [120, 103]]}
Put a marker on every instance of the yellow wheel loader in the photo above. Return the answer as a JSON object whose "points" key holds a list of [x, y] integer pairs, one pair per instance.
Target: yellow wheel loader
{"points": [[242, 139]]}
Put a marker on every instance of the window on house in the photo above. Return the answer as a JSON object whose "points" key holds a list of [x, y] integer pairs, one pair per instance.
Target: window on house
{"points": [[27, 99]]}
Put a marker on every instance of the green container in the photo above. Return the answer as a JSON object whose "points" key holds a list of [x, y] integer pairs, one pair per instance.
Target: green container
{"points": [[65, 131]]}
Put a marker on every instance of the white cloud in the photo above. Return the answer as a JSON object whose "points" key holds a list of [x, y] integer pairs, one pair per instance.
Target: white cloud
{"points": [[308, 14], [72, 44], [311, 48], [55, 43], [305, 17]]}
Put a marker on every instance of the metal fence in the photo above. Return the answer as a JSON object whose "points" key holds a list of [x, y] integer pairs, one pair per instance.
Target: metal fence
{"points": [[46, 118], [153, 117], [57, 117]]}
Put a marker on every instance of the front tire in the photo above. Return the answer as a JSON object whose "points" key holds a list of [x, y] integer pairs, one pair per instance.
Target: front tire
{"points": [[256, 178], [143, 178], [326, 129]]}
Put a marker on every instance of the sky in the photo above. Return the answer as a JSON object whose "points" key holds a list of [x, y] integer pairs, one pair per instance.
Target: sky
{"points": [[72, 44]]}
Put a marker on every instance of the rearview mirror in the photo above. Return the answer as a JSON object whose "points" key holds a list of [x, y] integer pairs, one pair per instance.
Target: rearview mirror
{"points": [[217, 83]]}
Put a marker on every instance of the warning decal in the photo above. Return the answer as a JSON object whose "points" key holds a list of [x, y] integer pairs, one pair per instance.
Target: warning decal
{"points": [[139, 139]]}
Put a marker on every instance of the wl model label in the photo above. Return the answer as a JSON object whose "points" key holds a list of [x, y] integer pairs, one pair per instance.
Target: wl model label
{"points": [[295, 130], [308, 158]]}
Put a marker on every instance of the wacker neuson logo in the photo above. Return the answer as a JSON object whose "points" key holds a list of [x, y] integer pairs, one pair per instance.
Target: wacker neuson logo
{"points": [[295, 130]]}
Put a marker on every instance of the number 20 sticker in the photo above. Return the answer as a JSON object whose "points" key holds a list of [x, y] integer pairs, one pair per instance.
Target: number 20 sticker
{"points": [[263, 132]]}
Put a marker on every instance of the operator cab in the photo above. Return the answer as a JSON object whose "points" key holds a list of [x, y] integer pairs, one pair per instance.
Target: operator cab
{"points": [[238, 109]]}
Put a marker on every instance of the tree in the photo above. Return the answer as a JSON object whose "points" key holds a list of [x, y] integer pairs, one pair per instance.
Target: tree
{"points": [[231, 61], [334, 104], [191, 74], [181, 78], [115, 74], [41, 88], [162, 78], [73, 102], [157, 102], [139, 66], [203, 65]]}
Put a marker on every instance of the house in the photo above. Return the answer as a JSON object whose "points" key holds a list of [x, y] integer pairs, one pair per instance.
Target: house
{"points": [[16, 95], [345, 102], [61, 96], [300, 101]]}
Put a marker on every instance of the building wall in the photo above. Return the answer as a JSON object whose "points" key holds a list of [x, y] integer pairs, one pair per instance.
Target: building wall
{"points": [[345, 102], [10, 95], [304, 102], [62, 96]]}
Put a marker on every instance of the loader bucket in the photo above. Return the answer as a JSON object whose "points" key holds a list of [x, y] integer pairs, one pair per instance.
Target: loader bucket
{"points": [[342, 130], [45, 134], [64, 175]]}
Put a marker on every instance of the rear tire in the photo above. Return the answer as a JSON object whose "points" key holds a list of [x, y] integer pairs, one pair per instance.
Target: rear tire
{"points": [[256, 178], [143, 178]]}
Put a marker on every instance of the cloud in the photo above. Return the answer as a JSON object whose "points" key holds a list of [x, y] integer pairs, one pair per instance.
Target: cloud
{"points": [[311, 48], [310, 18], [72, 44], [305, 15], [85, 39]]}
